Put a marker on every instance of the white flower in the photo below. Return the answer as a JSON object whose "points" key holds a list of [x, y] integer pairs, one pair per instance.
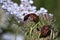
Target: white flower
{"points": [[43, 10], [38, 12], [11, 12], [18, 9], [29, 7], [14, 12], [23, 13], [50, 14], [22, 9], [24, 0], [1, 1], [34, 7], [8, 1], [25, 4], [31, 2], [21, 5], [4, 3], [31, 12], [9, 9], [4, 7], [15, 4], [18, 14], [22, 18]]}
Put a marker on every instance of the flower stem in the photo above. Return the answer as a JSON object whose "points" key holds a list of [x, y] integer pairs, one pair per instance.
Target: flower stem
{"points": [[16, 33], [33, 27]]}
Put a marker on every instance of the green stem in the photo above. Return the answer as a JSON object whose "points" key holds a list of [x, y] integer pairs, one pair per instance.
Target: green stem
{"points": [[39, 36], [16, 33], [33, 28], [51, 36]]}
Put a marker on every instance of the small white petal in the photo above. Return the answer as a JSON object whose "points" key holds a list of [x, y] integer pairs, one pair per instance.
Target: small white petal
{"points": [[51, 14], [42, 8], [10, 3], [14, 12], [4, 3], [31, 2], [22, 18], [46, 11], [9, 9], [21, 0], [23, 13], [31, 12], [15, 5], [21, 5], [34, 7], [11, 12], [3, 7], [38, 12]]}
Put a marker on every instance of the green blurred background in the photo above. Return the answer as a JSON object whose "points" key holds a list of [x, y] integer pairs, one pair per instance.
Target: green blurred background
{"points": [[53, 6]]}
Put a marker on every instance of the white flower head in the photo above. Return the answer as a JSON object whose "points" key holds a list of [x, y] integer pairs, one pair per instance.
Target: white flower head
{"points": [[38, 12], [43, 10], [33, 7], [4, 7], [46, 11], [21, 5], [50, 14], [23, 9], [31, 1]]}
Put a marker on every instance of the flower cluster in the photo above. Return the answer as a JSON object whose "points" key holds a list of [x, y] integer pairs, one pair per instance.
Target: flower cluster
{"points": [[21, 10]]}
